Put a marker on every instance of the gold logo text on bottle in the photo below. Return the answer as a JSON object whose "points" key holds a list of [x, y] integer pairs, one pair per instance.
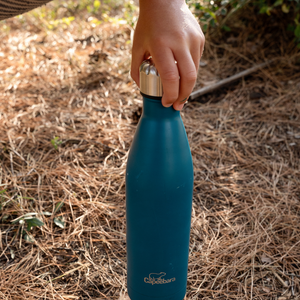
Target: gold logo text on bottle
{"points": [[157, 278]]}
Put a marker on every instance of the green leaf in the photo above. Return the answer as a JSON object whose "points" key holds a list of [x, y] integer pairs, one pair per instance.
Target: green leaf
{"points": [[266, 10], [297, 31], [56, 142], [26, 216], [28, 238], [290, 27], [5, 217], [277, 3], [212, 23], [213, 15], [223, 11], [285, 8], [58, 206], [297, 19], [32, 222], [59, 221], [226, 28], [263, 10]]}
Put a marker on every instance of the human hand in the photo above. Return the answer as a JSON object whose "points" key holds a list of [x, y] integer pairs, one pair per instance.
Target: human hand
{"points": [[168, 31]]}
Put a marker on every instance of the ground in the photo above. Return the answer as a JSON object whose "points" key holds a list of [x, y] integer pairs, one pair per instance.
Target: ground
{"points": [[68, 113]]}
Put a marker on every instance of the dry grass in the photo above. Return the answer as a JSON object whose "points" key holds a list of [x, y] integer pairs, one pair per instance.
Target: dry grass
{"points": [[245, 142]]}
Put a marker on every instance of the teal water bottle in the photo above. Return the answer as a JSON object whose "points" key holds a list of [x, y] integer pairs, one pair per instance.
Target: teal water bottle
{"points": [[159, 190]]}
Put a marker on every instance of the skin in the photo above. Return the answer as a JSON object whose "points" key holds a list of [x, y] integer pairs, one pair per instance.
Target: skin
{"points": [[168, 31]]}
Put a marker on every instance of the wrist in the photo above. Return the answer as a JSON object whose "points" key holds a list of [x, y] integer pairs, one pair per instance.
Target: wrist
{"points": [[152, 5]]}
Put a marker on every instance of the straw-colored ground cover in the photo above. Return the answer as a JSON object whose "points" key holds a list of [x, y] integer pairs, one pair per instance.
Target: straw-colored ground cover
{"points": [[68, 113]]}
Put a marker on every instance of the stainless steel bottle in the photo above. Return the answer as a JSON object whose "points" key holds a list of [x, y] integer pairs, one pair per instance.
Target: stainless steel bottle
{"points": [[159, 188]]}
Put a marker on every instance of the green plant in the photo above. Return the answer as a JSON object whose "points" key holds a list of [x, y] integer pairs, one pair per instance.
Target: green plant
{"points": [[94, 7], [56, 142], [130, 13], [30, 220], [287, 7], [216, 13], [206, 11], [59, 221], [59, 14], [296, 29]]}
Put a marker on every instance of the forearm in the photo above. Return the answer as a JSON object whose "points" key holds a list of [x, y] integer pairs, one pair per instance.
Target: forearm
{"points": [[17, 7]]}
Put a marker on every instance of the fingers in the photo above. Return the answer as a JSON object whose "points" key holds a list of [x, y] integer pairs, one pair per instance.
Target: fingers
{"points": [[139, 54], [188, 65], [137, 59], [195, 51], [188, 75], [170, 33], [165, 64], [178, 80]]}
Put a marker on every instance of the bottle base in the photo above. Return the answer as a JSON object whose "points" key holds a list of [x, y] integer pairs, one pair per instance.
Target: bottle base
{"points": [[133, 295]]}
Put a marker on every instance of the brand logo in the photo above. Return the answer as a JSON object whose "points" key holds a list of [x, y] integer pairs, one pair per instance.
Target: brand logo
{"points": [[156, 278]]}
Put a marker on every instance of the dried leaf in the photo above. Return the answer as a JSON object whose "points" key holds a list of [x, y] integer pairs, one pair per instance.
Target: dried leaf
{"points": [[47, 213], [266, 289], [266, 259], [59, 221], [12, 254]]}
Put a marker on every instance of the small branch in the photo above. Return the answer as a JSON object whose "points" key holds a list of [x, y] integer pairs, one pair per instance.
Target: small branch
{"points": [[69, 272], [226, 81], [11, 163]]}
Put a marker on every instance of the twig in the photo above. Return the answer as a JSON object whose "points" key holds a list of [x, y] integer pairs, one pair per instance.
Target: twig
{"points": [[11, 164], [68, 272], [226, 81], [280, 279]]}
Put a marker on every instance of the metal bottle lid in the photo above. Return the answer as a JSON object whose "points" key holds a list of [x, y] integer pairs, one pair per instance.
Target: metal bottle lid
{"points": [[150, 82]]}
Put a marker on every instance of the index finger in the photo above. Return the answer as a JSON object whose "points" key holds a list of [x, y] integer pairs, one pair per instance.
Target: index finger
{"points": [[165, 64]]}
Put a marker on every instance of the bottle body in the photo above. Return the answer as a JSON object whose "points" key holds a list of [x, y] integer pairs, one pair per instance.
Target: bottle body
{"points": [[159, 188]]}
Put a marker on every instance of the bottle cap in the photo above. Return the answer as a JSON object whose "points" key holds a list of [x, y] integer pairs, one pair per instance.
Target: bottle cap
{"points": [[150, 82]]}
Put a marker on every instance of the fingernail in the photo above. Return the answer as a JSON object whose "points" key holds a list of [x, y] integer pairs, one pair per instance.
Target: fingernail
{"points": [[181, 106], [167, 105]]}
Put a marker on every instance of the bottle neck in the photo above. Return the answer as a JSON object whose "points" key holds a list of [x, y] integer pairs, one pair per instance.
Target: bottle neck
{"points": [[153, 108]]}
